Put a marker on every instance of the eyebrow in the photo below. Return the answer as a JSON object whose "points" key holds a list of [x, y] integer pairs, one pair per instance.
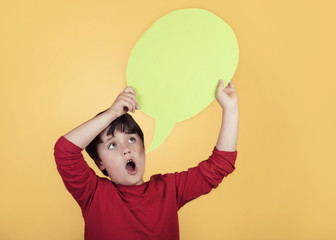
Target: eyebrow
{"points": [[113, 137], [108, 139]]}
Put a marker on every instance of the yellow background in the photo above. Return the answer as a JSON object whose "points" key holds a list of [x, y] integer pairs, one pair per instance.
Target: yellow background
{"points": [[64, 61]]}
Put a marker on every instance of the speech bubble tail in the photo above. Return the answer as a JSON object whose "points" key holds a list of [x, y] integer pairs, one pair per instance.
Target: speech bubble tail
{"points": [[162, 130]]}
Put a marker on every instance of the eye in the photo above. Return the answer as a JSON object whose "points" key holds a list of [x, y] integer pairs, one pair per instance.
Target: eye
{"points": [[111, 146], [131, 140]]}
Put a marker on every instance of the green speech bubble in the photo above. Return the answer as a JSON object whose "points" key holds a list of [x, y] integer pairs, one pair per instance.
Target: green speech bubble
{"points": [[176, 64]]}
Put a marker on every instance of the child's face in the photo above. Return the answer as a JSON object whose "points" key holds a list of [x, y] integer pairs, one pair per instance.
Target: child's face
{"points": [[123, 157]]}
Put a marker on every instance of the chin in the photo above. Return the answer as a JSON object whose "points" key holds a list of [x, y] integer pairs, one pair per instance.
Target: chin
{"points": [[140, 182], [136, 182]]}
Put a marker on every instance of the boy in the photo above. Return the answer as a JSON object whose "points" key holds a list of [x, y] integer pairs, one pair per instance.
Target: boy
{"points": [[126, 207]]}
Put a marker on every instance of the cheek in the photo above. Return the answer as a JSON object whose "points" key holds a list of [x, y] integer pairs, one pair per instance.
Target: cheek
{"points": [[107, 158], [103, 154], [141, 152], [138, 149]]}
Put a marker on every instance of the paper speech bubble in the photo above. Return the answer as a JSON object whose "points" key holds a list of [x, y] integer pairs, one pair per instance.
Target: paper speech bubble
{"points": [[176, 64]]}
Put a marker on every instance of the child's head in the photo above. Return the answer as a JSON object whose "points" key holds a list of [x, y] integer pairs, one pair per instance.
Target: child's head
{"points": [[119, 151]]}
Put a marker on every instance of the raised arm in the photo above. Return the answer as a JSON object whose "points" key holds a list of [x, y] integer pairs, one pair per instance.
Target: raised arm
{"points": [[228, 99], [209, 173], [86, 132]]}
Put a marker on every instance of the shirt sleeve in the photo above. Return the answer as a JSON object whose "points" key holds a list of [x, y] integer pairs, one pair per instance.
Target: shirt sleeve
{"points": [[207, 175], [79, 179]]}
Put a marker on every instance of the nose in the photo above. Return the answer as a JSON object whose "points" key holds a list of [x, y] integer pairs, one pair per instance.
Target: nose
{"points": [[126, 150]]}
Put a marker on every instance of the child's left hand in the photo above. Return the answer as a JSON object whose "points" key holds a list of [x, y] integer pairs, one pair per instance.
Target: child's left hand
{"points": [[226, 97]]}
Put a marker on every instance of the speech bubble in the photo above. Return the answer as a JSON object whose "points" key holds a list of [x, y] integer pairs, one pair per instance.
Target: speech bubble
{"points": [[176, 64]]}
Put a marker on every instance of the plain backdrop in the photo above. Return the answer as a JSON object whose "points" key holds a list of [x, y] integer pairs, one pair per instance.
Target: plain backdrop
{"points": [[62, 62]]}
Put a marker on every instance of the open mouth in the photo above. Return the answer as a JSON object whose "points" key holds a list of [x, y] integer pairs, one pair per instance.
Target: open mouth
{"points": [[131, 167]]}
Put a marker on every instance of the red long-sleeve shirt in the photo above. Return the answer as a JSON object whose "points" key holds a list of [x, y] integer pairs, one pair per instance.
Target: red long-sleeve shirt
{"points": [[146, 211]]}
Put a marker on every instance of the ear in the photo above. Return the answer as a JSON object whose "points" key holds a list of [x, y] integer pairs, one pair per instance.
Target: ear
{"points": [[100, 164]]}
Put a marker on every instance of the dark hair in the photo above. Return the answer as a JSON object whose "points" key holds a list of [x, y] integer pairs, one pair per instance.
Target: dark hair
{"points": [[125, 124]]}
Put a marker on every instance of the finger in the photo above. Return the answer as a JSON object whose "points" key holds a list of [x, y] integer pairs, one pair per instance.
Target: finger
{"points": [[130, 97], [128, 105], [133, 102], [133, 96], [129, 90], [123, 99], [229, 86], [220, 86]]}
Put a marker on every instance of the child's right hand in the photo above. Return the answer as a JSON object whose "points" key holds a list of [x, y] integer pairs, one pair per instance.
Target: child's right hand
{"points": [[126, 101]]}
